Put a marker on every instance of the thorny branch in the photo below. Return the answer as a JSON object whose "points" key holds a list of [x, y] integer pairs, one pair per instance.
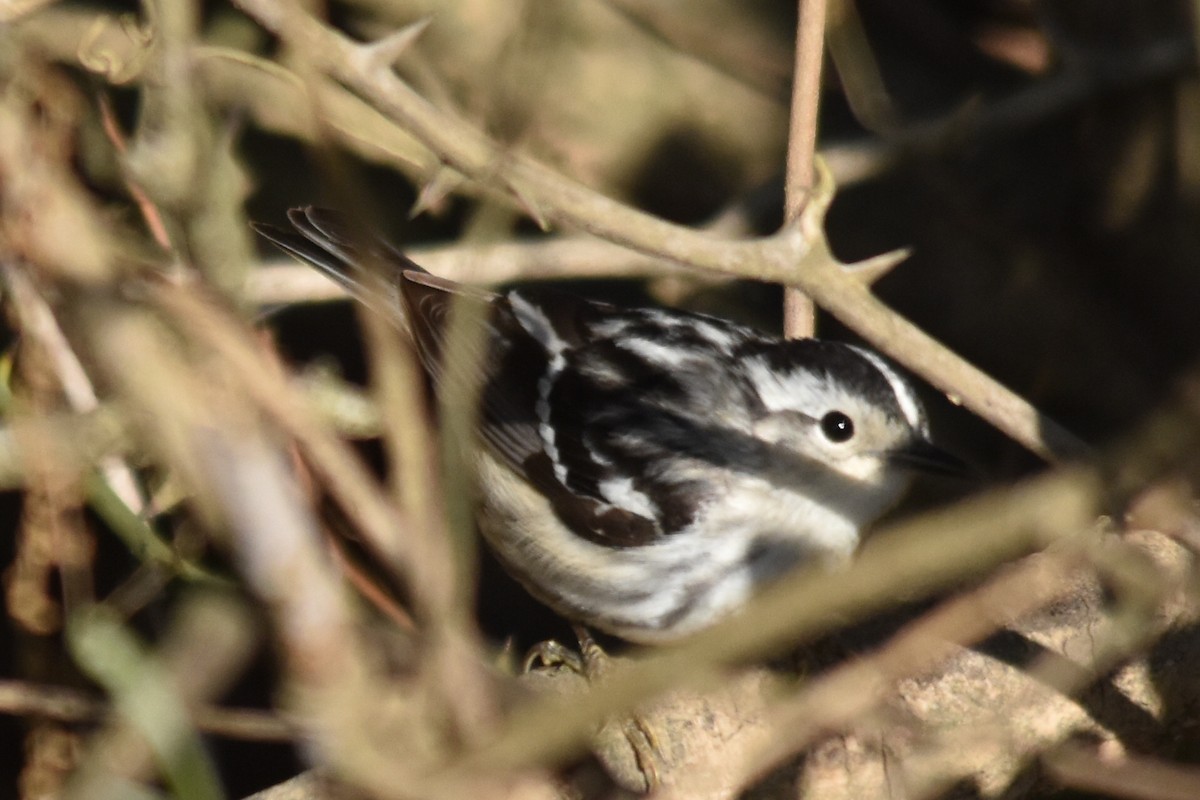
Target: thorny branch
{"points": [[336, 678], [797, 256]]}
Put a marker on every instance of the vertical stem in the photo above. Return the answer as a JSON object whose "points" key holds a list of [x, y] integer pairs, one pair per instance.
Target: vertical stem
{"points": [[798, 311]]}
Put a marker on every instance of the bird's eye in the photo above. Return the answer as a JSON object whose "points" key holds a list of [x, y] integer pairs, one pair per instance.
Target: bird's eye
{"points": [[837, 427]]}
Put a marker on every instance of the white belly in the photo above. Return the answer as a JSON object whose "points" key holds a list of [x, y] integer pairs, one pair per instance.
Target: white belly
{"points": [[678, 584]]}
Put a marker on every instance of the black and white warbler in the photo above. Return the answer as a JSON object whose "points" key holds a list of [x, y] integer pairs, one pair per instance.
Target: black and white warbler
{"points": [[645, 471]]}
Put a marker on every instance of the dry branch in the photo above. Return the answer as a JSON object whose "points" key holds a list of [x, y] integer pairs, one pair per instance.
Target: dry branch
{"points": [[418, 713], [796, 257]]}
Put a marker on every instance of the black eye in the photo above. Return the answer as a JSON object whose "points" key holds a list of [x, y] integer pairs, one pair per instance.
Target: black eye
{"points": [[837, 427]]}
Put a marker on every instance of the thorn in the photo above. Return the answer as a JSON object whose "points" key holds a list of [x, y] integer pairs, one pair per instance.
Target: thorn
{"points": [[531, 208], [433, 193], [387, 51], [824, 188], [875, 267], [811, 222]]}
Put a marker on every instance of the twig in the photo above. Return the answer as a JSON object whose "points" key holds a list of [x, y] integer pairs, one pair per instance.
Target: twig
{"points": [[547, 258], [1133, 777], [348, 480], [1098, 648], [22, 699], [728, 44], [149, 211], [367, 586], [834, 701], [38, 321], [799, 314], [278, 282], [420, 554], [797, 257]]}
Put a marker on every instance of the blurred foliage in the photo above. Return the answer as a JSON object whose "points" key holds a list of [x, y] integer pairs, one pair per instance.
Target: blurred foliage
{"points": [[1041, 159]]}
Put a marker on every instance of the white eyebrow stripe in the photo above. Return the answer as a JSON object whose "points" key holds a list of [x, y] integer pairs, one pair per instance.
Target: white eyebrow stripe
{"points": [[910, 406], [785, 391]]}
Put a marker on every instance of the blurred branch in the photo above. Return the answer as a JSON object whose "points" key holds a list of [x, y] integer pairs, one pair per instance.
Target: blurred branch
{"points": [[22, 699], [406, 547], [177, 155], [98, 436], [858, 70], [14, 10], [279, 282], [37, 320], [838, 699], [152, 699], [310, 785], [1079, 767], [1110, 636], [976, 122], [197, 417], [87, 438], [729, 45]]}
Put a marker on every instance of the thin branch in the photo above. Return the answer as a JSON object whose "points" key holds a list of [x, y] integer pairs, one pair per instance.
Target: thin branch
{"points": [[799, 314], [347, 479], [569, 258], [1133, 777], [546, 258], [22, 699], [37, 320], [797, 256], [150, 213], [836, 700], [729, 45]]}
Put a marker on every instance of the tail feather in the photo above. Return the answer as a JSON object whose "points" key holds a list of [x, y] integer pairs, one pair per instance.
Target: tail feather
{"points": [[364, 264], [376, 272]]}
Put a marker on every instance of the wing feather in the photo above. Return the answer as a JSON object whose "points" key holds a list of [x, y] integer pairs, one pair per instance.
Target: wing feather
{"points": [[532, 337]]}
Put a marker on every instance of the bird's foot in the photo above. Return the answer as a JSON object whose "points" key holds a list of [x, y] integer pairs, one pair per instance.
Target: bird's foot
{"points": [[589, 661], [592, 663]]}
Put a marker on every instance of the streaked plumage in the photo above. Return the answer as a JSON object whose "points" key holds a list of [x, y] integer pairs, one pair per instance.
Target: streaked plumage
{"points": [[645, 470]]}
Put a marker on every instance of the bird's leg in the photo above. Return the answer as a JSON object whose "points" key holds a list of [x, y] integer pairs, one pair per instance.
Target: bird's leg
{"points": [[553, 653], [592, 663], [596, 662]]}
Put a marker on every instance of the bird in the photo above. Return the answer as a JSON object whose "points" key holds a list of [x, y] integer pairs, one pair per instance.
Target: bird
{"points": [[646, 471]]}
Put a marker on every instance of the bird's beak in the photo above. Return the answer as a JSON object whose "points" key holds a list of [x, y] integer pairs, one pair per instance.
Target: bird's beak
{"points": [[924, 456]]}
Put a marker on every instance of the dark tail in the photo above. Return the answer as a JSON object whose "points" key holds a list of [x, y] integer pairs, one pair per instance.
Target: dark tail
{"points": [[368, 266], [375, 272]]}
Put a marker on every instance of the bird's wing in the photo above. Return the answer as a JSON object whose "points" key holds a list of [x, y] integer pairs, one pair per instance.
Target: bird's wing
{"points": [[528, 343], [533, 344]]}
